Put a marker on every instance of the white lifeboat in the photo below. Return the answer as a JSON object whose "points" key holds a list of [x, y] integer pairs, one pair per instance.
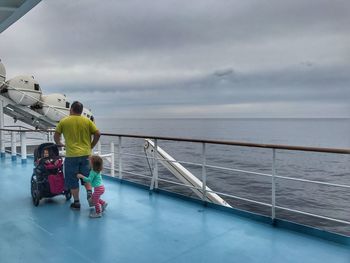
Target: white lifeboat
{"points": [[54, 106], [88, 114], [24, 90]]}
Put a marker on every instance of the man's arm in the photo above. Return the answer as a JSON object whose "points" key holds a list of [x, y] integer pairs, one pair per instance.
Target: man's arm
{"points": [[57, 138], [96, 137]]}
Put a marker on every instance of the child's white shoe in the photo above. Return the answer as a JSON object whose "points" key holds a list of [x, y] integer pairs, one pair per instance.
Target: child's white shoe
{"points": [[95, 215]]}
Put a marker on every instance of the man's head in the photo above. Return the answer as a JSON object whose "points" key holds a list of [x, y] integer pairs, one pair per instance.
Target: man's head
{"points": [[76, 108]]}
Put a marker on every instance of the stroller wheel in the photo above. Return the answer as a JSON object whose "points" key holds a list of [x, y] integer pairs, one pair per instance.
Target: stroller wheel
{"points": [[36, 197], [68, 195], [33, 185]]}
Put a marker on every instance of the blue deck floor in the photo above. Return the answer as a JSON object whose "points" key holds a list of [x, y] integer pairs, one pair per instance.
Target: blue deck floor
{"points": [[138, 227]]}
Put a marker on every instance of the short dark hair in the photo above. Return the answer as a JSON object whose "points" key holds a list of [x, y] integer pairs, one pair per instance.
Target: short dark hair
{"points": [[97, 163], [77, 107]]}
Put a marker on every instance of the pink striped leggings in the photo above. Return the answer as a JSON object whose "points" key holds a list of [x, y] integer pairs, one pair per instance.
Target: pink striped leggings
{"points": [[98, 191]]}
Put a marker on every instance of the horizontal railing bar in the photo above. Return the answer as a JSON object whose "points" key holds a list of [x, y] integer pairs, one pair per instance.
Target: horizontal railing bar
{"points": [[135, 155], [235, 143], [29, 130], [311, 181], [180, 184], [107, 167], [211, 166], [310, 214], [17, 126], [184, 162], [137, 174], [166, 160], [240, 198], [159, 179], [105, 155], [162, 159], [220, 142], [128, 172], [237, 170]]}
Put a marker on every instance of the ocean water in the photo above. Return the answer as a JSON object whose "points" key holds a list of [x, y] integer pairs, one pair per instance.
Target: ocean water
{"points": [[333, 133], [329, 201]]}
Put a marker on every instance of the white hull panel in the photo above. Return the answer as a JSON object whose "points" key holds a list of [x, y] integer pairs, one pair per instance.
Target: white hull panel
{"points": [[24, 97], [53, 113]]}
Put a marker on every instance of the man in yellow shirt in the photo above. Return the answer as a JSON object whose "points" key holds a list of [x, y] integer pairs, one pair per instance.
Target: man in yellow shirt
{"points": [[77, 131]]}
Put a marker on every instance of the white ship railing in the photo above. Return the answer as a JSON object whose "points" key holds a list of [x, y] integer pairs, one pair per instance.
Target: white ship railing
{"points": [[154, 178]]}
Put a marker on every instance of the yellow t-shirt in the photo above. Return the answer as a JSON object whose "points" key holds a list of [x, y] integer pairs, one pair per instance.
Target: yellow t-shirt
{"points": [[77, 131]]}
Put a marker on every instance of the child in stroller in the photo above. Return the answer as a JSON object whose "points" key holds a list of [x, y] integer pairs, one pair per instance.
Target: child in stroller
{"points": [[47, 179]]}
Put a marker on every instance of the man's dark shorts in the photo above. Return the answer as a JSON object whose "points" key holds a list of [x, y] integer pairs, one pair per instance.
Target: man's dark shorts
{"points": [[73, 166]]}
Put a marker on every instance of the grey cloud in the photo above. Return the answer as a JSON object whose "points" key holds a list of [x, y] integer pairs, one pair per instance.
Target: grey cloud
{"points": [[223, 72], [312, 85], [174, 53], [88, 29], [172, 24], [315, 77]]}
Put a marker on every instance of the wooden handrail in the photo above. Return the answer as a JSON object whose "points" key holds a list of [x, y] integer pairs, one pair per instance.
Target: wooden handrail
{"points": [[235, 143], [220, 142]]}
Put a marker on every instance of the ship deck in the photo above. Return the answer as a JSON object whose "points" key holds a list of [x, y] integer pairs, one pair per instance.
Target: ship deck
{"points": [[141, 227]]}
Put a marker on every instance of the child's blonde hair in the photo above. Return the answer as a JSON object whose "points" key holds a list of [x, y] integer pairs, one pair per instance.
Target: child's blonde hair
{"points": [[96, 163]]}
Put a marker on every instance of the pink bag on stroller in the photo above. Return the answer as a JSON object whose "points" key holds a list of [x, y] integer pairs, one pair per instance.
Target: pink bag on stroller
{"points": [[56, 182]]}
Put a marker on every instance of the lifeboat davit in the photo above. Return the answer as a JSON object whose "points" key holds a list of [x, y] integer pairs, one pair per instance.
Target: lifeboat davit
{"points": [[2, 73], [24, 90], [54, 106]]}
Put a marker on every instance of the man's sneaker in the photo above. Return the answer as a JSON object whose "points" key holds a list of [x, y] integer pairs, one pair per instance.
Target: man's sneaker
{"points": [[95, 215], [75, 206], [104, 206], [91, 203]]}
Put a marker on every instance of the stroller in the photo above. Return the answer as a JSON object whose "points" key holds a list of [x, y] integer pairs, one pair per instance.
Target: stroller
{"points": [[47, 179]]}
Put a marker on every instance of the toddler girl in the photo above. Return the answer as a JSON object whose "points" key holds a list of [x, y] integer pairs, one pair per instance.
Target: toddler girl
{"points": [[95, 178]]}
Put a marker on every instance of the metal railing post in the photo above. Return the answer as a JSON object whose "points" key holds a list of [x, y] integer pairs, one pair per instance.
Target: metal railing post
{"points": [[273, 186], [204, 173], [2, 137], [13, 146], [23, 147], [112, 159], [156, 163], [99, 147], [154, 181], [120, 167], [49, 136]]}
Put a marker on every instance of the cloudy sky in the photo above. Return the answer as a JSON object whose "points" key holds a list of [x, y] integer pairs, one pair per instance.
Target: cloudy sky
{"points": [[188, 58]]}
